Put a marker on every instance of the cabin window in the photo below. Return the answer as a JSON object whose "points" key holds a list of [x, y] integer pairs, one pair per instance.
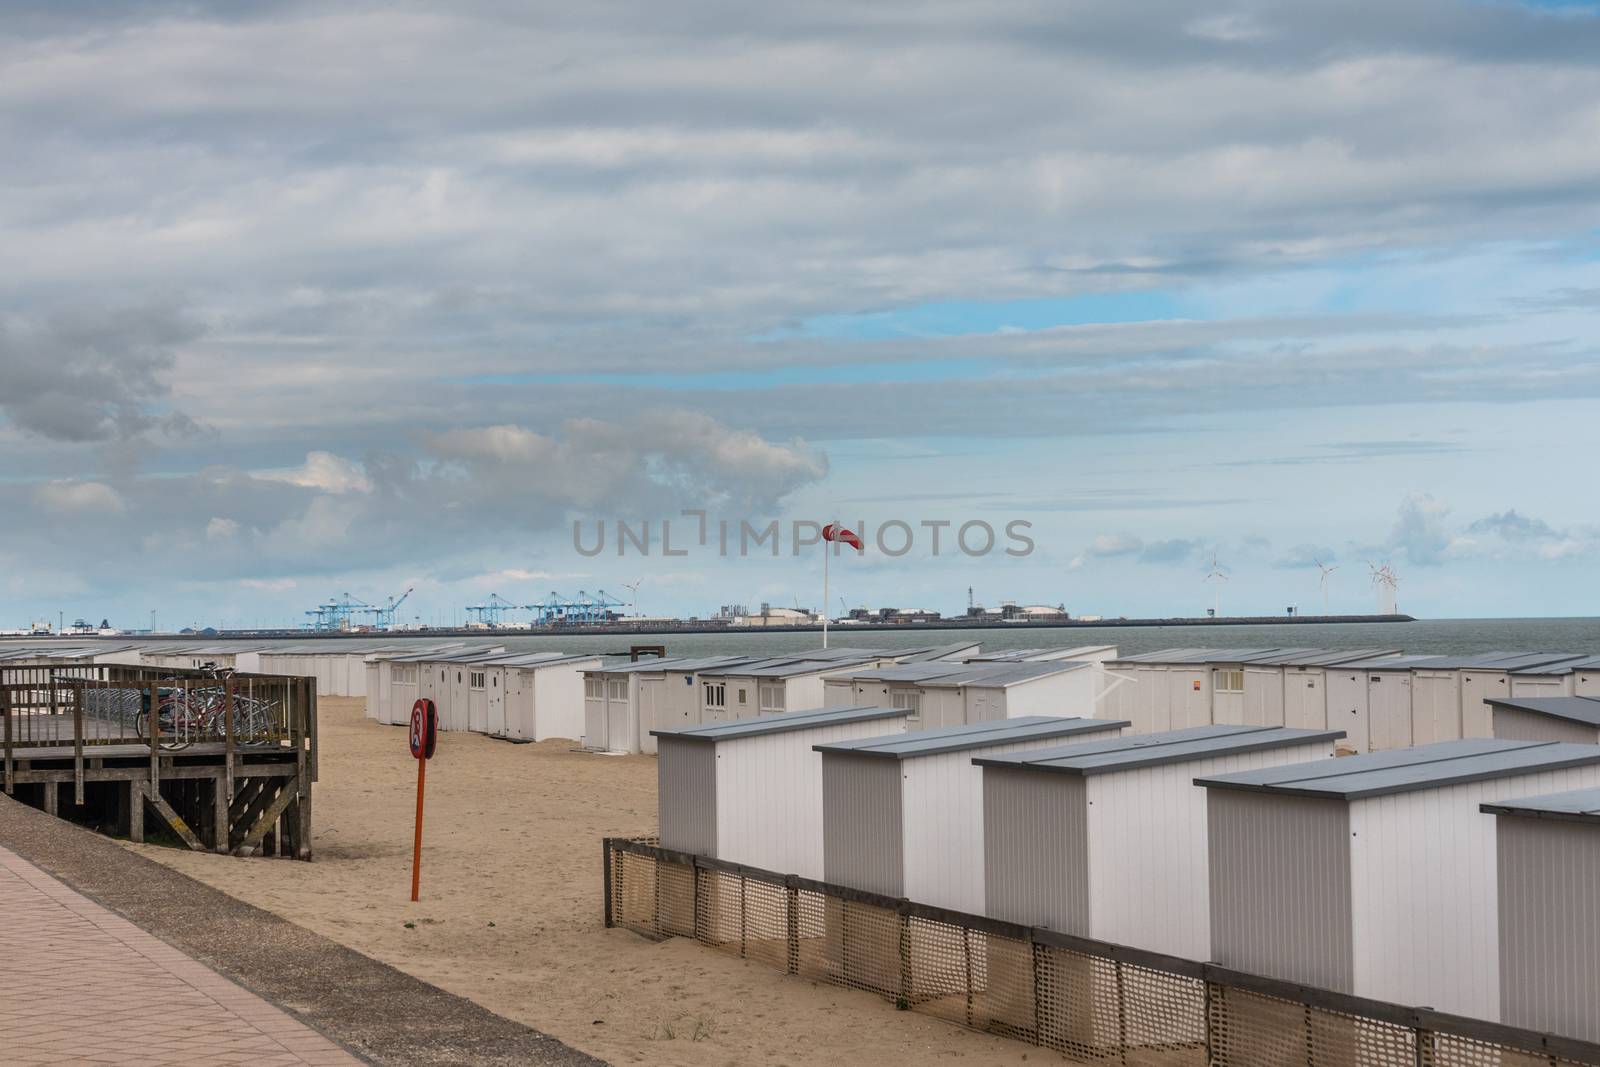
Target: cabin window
{"points": [[476, 679], [911, 702], [742, 699], [405, 676], [591, 688], [715, 694], [1228, 681], [617, 689], [772, 698]]}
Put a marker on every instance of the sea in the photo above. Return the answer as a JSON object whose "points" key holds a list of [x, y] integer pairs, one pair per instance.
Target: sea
{"points": [[1428, 636], [1580, 635]]}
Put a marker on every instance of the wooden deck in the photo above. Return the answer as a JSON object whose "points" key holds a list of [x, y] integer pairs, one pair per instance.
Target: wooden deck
{"points": [[240, 793]]}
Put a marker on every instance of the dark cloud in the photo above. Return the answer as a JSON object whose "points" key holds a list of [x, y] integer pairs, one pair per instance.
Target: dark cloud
{"points": [[487, 488], [467, 254], [1421, 533], [1175, 550], [93, 377], [1513, 526], [1309, 555]]}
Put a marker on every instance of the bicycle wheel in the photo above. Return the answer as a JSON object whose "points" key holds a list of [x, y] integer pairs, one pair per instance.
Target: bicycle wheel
{"points": [[168, 742]]}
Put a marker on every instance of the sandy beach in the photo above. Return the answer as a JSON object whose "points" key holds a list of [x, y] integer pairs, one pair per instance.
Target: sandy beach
{"points": [[510, 915]]}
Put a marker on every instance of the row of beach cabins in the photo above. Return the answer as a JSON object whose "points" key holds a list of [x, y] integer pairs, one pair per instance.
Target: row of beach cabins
{"points": [[1381, 699], [1458, 875], [1186, 801]]}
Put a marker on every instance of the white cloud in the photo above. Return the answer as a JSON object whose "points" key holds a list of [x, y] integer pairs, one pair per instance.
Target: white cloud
{"points": [[270, 585], [326, 472], [74, 498], [1119, 544], [219, 529]]}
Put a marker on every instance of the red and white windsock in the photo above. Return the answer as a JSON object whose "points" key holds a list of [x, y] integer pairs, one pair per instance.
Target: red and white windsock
{"points": [[831, 532]]}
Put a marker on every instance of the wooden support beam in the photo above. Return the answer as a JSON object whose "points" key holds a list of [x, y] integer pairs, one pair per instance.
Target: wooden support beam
{"points": [[154, 798], [256, 796], [135, 810], [246, 798], [52, 799], [122, 774], [265, 822], [219, 806], [302, 818], [5, 713], [77, 742]]}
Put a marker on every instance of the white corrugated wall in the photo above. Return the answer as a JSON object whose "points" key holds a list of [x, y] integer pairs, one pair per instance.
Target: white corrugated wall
{"points": [[1423, 900], [1435, 706], [942, 820], [1476, 687], [1263, 696], [1347, 706], [1541, 685], [558, 700], [1190, 696], [1147, 850], [1305, 699], [1389, 709], [769, 795]]}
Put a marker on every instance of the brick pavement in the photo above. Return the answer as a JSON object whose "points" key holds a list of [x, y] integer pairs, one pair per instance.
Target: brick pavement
{"points": [[82, 985]]}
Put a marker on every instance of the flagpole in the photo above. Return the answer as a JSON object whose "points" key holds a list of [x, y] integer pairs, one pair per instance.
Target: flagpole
{"points": [[826, 544]]}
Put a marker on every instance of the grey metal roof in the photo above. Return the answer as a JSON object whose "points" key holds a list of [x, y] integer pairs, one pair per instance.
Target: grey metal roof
{"points": [[541, 659], [998, 675], [1572, 709], [904, 672], [1577, 805], [788, 668], [1148, 750], [1396, 663], [937, 652], [1188, 656], [783, 722], [1511, 661], [1037, 655], [1325, 657], [683, 664], [1164, 656], [1176, 657], [971, 735], [455, 655], [1409, 769], [1565, 666]]}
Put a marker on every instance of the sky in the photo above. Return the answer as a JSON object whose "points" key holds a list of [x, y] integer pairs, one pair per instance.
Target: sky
{"points": [[298, 300]]}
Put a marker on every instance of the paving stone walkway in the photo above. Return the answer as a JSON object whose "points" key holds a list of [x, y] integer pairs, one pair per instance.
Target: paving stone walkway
{"points": [[83, 985]]}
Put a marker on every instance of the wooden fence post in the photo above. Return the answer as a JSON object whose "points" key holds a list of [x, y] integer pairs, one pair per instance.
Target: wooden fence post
{"points": [[5, 707], [605, 851]]}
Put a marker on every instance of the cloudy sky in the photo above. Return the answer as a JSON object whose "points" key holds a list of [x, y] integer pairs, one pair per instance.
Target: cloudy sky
{"points": [[299, 299]]}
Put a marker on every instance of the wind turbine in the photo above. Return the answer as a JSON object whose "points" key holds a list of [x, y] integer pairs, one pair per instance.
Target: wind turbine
{"points": [[633, 587], [1326, 570], [1385, 581], [1391, 581], [1219, 576]]}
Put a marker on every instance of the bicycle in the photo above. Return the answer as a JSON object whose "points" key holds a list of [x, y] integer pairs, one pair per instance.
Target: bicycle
{"points": [[184, 716]]}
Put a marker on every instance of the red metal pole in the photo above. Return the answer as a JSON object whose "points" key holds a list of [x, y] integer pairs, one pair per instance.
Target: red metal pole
{"points": [[416, 848]]}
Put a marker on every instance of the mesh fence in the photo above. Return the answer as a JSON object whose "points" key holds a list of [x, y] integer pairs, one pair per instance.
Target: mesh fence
{"points": [[1090, 1002]]}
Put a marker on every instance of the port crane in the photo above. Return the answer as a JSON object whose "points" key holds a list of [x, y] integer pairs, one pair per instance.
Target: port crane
{"points": [[493, 611], [335, 613], [553, 610], [383, 614]]}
